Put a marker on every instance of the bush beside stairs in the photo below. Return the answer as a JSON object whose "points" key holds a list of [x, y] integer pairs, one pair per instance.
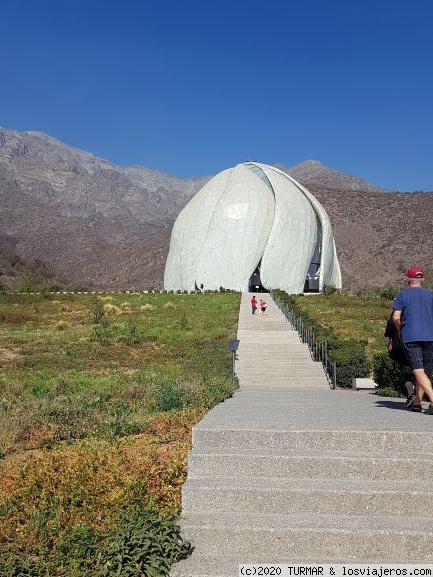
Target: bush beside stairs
{"points": [[289, 471]]}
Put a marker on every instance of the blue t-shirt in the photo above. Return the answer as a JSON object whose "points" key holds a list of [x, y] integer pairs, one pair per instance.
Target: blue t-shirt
{"points": [[416, 306]]}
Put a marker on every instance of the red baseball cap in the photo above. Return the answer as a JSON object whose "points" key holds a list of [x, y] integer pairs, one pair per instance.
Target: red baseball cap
{"points": [[414, 272]]}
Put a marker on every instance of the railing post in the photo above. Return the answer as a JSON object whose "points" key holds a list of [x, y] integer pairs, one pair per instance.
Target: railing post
{"points": [[334, 375]]}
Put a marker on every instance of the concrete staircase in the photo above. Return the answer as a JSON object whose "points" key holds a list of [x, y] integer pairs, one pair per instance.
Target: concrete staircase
{"points": [[282, 474], [271, 354]]}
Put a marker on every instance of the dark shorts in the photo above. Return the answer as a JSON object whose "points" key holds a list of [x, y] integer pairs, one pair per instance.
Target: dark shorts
{"points": [[406, 374], [419, 355]]}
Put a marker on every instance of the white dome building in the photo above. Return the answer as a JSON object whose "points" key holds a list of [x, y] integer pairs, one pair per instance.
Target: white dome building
{"points": [[252, 227]]}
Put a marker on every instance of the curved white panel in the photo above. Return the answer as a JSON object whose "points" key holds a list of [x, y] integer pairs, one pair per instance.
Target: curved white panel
{"points": [[329, 269], [291, 242], [237, 233], [189, 232]]}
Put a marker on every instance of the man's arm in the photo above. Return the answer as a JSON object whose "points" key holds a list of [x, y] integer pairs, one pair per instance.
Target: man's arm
{"points": [[396, 319]]}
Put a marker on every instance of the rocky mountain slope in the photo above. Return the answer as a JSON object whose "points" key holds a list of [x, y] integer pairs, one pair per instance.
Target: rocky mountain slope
{"points": [[92, 224], [79, 220]]}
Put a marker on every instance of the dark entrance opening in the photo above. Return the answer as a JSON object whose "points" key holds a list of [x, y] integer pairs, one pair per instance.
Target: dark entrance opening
{"points": [[255, 284], [311, 284], [312, 281]]}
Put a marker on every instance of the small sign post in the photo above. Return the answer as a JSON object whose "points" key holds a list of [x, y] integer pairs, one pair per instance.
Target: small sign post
{"points": [[232, 346]]}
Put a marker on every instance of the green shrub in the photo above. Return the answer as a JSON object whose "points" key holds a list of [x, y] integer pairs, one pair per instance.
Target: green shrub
{"points": [[29, 285], [97, 311], [13, 564], [131, 332], [216, 391], [388, 374], [350, 359], [329, 290], [388, 293], [101, 329], [168, 395], [184, 321], [143, 542]]}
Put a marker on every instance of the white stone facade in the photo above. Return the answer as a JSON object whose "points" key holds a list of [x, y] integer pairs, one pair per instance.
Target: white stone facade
{"points": [[250, 216]]}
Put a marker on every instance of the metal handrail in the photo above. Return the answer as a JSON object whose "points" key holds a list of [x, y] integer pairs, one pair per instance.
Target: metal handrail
{"points": [[319, 350]]}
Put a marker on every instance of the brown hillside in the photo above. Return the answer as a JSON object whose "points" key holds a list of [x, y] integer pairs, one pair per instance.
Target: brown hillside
{"points": [[79, 220]]}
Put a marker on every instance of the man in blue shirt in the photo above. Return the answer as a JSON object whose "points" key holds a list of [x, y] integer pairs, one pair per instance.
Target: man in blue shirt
{"points": [[413, 318]]}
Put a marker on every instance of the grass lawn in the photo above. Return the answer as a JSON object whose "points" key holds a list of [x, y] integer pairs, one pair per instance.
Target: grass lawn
{"points": [[360, 316], [98, 395]]}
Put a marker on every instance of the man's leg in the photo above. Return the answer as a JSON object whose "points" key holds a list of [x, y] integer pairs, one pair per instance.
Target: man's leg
{"points": [[419, 394], [424, 385], [418, 356], [409, 388]]}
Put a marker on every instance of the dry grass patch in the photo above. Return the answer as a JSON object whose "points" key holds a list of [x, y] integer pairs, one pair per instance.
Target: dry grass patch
{"points": [[7, 354], [88, 483], [111, 309]]}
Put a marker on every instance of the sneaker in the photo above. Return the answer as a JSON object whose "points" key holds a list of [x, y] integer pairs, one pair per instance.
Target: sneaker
{"points": [[429, 411], [416, 408], [410, 401]]}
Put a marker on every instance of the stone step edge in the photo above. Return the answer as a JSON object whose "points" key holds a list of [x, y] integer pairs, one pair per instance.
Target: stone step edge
{"points": [[312, 433], [314, 456], [269, 522], [320, 485]]}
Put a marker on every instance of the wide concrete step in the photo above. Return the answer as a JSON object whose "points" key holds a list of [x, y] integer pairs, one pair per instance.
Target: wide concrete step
{"points": [[364, 468], [269, 324], [287, 370], [311, 537], [294, 377], [273, 358], [283, 361], [274, 346], [280, 342], [295, 382], [276, 337], [292, 350], [307, 496], [252, 362], [267, 380], [287, 386], [292, 373], [261, 359], [277, 375], [276, 353], [313, 440], [275, 382]]}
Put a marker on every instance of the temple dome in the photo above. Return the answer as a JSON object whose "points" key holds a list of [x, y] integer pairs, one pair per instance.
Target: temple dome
{"points": [[252, 224]]}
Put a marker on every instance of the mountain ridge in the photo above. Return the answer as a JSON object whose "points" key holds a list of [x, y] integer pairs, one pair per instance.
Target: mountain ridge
{"points": [[92, 223]]}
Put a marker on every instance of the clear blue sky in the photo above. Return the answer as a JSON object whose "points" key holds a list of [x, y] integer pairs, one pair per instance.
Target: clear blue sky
{"points": [[191, 87]]}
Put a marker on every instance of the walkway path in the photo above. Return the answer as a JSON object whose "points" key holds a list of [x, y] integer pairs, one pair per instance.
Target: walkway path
{"points": [[270, 353], [288, 471]]}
